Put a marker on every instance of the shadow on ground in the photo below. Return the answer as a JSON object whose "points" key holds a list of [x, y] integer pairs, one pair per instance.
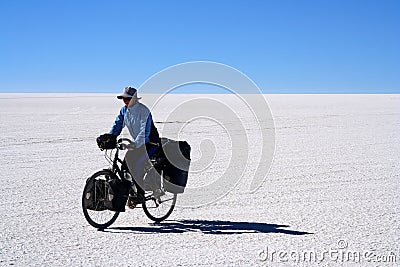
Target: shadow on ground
{"points": [[207, 227]]}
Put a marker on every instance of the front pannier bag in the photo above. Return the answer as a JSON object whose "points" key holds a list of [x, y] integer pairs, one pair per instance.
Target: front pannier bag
{"points": [[95, 195], [118, 192], [176, 170]]}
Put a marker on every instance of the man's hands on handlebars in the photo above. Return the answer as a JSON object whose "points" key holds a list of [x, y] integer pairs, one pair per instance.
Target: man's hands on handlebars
{"points": [[109, 141]]}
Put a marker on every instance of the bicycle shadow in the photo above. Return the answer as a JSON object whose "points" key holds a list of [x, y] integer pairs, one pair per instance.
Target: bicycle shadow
{"points": [[207, 227]]}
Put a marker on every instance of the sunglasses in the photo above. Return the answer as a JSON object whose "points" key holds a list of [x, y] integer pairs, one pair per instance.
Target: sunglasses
{"points": [[127, 98]]}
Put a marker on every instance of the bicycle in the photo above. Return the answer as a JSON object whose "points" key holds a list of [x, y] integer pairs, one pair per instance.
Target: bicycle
{"points": [[158, 204]]}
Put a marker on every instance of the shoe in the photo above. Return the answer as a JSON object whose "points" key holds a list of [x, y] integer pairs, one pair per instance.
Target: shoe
{"points": [[134, 200]]}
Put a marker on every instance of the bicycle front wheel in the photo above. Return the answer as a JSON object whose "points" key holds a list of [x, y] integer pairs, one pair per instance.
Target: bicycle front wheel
{"points": [[94, 195], [159, 205]]}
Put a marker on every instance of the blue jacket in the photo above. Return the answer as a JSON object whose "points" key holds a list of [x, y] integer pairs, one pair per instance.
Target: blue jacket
{"points": [[138, 120]]}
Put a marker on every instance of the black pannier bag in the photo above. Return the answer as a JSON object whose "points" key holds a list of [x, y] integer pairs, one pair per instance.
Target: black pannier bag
{"points": [[118, 192], [95, 195], [177, 166]]}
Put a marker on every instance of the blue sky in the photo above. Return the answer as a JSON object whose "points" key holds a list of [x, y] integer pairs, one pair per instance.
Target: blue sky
{"points": [[284, 46]]}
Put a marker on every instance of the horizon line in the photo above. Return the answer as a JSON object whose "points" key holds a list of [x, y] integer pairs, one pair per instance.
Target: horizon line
{"points": [[214, 93]]}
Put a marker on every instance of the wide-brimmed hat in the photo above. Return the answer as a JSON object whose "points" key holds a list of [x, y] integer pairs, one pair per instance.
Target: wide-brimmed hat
{"points": [[128, 92]]}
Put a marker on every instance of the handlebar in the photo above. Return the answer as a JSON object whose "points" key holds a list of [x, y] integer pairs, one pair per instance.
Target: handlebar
{"points": [[123, 146], [124, 140]]}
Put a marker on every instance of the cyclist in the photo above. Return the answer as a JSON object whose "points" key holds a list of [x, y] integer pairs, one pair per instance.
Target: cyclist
{"points": [[146, 141]]}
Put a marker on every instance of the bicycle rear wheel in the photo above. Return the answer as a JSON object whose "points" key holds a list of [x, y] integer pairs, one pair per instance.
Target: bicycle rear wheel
{"points": [[159, 205], [94, 194]]}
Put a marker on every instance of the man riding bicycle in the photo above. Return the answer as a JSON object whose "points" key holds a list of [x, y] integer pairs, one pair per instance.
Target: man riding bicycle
{"points": [[146, 141]]}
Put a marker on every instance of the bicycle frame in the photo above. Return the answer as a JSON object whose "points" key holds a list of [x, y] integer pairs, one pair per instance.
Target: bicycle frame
{"points": [[116, 169]]}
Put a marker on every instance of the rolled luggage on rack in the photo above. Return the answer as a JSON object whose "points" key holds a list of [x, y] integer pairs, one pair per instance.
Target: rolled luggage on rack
{"points": [[176, 170]]}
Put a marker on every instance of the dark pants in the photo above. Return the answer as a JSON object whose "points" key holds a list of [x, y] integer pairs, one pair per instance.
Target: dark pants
{"points": [[135, 160]]}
